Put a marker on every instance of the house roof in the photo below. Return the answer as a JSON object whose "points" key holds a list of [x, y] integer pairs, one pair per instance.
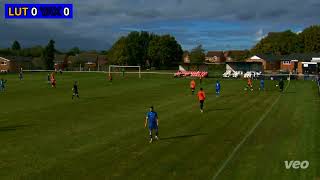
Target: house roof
{"points": [[102, 59], [4, 59], [88, 57], [306, 57], [59, 57], [19, 59], [215, 53], [71, 58], [236, 52], [185, 53], [269, 57]]}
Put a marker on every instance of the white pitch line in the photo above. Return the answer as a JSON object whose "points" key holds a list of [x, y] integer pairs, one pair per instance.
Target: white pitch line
{"points": [[246, 137]]}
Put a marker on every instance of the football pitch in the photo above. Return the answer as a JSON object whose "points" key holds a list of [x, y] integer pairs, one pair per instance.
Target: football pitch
{"points": [[45, 135]]}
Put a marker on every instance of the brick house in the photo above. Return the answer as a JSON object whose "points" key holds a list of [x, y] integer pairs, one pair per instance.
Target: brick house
{"points": [[5, 65], [88, 61], [267, 62], [13, 64], [236, 55], [215, 57], [186, 57], [59, 60], [300, 63]]}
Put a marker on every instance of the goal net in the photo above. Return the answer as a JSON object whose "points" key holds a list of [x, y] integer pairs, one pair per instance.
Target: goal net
{"points": [[125, 69]]}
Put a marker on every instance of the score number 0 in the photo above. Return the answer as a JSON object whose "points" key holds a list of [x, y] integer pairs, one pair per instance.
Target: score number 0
{"points": [[66, 11]]}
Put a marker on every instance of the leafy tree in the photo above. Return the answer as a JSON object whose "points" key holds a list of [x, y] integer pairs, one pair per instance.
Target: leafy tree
{"points": [[278, 43], [197, 55], [16, 46], [35, 51], [154, 52], [118, 52], [164, 51], [239, 55], [310, 39], [38, 63], [73, 51], [48, 55], [145, 49], [134, 48], [5, 52], [104, 52]]}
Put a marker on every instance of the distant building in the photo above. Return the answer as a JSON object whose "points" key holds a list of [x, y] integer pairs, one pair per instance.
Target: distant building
{"points": [[186, 57], [88, 61], [267, 62], [236, 55], [293, 63], [215, 57], [259, 63], [223, 56], [301, 63], [5, 65], [14, 63], [59, 60]]}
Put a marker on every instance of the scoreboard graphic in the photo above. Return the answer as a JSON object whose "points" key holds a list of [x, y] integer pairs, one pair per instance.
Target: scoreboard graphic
{"points": [[38, 11]]}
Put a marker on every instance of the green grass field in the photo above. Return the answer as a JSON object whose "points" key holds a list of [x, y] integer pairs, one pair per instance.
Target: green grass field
{"points": [[45, 135]]}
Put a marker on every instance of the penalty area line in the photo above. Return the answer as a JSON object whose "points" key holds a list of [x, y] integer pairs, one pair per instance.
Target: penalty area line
{"points": [[264, 115]]}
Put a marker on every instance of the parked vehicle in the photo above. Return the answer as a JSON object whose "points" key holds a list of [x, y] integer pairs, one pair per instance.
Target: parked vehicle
{"points": [[237, 74], [252, 74], [234, 74], [227, 74]]}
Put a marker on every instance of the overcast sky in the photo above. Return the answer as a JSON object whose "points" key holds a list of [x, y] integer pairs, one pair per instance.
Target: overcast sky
{"points": [[216, 24]]}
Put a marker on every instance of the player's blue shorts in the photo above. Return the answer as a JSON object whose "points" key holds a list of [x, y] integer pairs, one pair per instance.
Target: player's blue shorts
{"points": [[153, 126]]}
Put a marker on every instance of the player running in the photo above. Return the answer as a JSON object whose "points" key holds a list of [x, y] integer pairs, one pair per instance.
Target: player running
{"points": [[153, 123], [261, 84], [3, 85], [75, 90], [250, 85], [110, 78], [21, 74], [201, 97], [192, 86], [48, 78], [281, 85], [218, 88], [53, 80]]}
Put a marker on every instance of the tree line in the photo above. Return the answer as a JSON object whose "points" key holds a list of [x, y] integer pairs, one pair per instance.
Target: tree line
{"points": [[288, 42], [44, 56], [146, 49], [275, 43], [137, 48], [163, 51]]}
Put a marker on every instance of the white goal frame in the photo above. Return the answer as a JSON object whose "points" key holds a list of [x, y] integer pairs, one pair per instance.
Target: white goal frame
{"points": [[117, 66]]}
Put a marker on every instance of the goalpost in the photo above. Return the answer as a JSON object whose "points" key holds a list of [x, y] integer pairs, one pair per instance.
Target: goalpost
{"points": [[117, 66]]}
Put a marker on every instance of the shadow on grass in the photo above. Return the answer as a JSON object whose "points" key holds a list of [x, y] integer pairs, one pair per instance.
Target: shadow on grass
{"points": [[12, 128], [289, 92], [218, 109], [183, 136], [228, 95]]}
